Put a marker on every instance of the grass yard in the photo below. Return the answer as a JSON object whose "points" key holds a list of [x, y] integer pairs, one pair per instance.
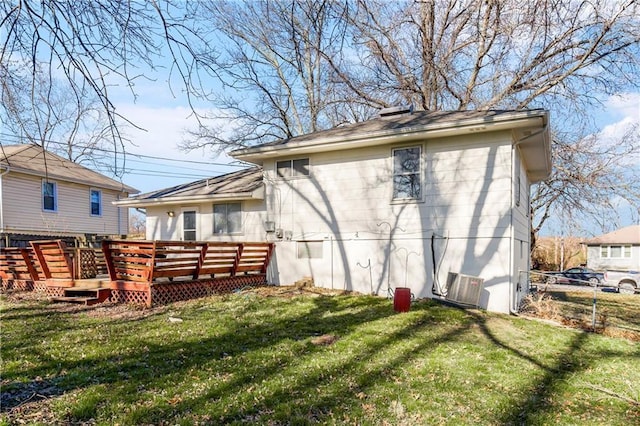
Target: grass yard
{"points": [[292, 358]]}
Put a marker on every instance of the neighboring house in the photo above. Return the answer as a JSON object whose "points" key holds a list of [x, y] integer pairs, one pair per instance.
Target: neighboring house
{"points": [[401, 200], [43, 195], [616, 250]]}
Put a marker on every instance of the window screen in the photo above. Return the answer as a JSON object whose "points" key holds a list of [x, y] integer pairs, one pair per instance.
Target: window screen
{"points": [[406, 173], [227, 218]]}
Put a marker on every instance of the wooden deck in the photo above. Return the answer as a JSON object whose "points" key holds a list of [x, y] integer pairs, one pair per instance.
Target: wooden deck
{"points": [[141, 272]]}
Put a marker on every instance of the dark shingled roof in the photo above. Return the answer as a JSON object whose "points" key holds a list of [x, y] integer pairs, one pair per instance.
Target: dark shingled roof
{"points": [[242, 181], [31, 159], [401, 123]]}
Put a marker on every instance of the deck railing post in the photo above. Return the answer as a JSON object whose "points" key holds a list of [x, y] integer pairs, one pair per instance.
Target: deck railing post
{"points": [[236, 263], [41, 261], [106, 251], [26, 255], [203, 253], [152, 262], [267, 258]]}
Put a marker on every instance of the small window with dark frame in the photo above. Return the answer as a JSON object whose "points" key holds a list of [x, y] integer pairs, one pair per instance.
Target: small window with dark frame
{"points": [[227, 218], [293, 168], [406, 173], [96, 202], [49, 196]]}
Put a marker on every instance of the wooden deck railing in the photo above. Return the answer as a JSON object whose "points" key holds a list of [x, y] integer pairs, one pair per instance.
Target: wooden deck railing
{"points": [[54, 259], [146, 261], [19, 264]]}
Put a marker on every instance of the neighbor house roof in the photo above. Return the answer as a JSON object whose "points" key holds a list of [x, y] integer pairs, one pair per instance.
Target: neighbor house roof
{"points": [[33, 160], [241, 185], [530, 129], [626, 235]]}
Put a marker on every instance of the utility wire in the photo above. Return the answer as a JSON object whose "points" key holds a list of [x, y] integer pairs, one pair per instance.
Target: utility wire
{"points": [[17, 139]]}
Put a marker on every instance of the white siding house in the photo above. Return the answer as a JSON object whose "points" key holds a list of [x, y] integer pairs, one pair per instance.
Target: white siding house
{"points": [[619, 250], [397, 201], [43, 195]]}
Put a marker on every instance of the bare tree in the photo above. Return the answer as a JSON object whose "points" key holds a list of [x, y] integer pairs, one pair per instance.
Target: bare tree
{"points": [[590, 176], [51, 116], [477, 54], [291, 67], [95, 45], [273, 61], [292, 62]]}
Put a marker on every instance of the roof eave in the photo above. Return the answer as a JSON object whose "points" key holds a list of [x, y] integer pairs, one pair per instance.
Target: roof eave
{"points": [[256, 194], [477, 125]]}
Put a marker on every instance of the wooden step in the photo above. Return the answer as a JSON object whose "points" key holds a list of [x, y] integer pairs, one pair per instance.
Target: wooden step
{"points": [[86, 296]]}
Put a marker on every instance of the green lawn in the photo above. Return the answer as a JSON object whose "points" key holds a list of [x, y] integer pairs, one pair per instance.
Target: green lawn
{"points": [[246, 358]]}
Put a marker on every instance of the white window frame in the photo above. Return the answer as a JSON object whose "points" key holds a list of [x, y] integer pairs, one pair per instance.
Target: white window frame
{"points": [[226, 227], [293, 172], [91, 192], [196, 220], [625, 251], [55, 196], [419, 172]]}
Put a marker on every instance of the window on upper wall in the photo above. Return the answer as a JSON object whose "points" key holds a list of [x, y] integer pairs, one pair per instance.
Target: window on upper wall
{"points": [[227, 218], [49, 196], [293, 168], [615, 252], [96, 202], [406, 173]]}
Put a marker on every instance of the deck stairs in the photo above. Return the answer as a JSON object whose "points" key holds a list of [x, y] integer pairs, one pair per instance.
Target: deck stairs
{"points": [[87, 292]]}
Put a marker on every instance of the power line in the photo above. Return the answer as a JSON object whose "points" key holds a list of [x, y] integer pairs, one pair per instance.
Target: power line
{"points": [[49, 141]]}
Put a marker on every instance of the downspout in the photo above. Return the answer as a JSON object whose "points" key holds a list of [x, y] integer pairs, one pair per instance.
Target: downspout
{"points": [[2, 200], [513, 310], [512, 237]]}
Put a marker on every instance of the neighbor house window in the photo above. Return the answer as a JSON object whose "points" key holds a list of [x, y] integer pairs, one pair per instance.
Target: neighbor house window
{"points": [[406, 173], [309, 249], [96, 202], [49, 196], [293, 168], [227, 218], [615, 252]]}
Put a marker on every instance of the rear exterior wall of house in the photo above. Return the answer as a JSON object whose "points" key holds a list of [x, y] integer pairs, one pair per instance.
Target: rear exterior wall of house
{"points": [[342, 226]]}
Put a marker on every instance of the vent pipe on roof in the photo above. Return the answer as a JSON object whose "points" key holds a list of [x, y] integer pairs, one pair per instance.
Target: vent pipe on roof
{"points": [[396, 110]]}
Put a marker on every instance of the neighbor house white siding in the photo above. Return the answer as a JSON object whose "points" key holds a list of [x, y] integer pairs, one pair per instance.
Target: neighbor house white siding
{"points": [[597, 262], [23, 210]]}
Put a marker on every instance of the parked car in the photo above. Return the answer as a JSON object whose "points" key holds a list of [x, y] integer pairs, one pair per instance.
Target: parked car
{"points": [[577, 275], [627, 282]]}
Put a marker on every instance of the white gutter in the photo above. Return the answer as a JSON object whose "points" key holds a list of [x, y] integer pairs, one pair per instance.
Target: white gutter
{"points": [[2, 200], [238, 196], [407, 134]]}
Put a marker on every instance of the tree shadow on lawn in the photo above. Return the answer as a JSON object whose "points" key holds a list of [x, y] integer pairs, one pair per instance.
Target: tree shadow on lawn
{"points": [[540, 401], [222, 363], [133, 377]]}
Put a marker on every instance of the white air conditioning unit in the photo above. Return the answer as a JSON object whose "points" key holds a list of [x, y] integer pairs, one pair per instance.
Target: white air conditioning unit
{"points": [[464, 289]]}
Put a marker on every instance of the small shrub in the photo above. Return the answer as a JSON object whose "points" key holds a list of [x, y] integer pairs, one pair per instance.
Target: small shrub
{"points": [[541, 305]]}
